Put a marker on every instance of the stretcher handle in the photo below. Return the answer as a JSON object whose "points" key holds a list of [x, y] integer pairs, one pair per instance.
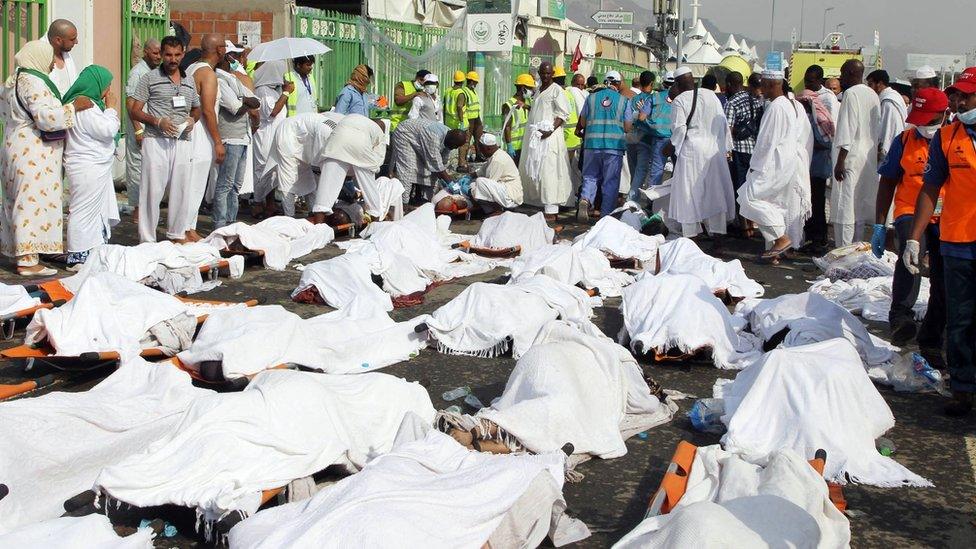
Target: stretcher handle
{"points": [[420, 328], [99, 357], [16, 389], [466, 244], [350, 227]]}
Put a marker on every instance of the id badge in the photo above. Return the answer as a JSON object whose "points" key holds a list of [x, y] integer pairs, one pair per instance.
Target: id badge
{"points": [[179, 102]]}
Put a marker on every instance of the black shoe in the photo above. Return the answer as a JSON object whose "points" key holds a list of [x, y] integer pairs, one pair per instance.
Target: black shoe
{"points": [[934, 357], [960, 405], [902, 332]]}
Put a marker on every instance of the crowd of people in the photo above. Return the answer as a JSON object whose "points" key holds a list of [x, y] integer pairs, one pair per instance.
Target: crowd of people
{"points": [[746, 153]]}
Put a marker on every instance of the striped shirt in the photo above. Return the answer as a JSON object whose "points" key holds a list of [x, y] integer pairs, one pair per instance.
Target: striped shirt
{"points": [[157, 91]]}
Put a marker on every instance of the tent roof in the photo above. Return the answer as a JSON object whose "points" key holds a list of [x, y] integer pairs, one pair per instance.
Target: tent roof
{"points": [[706, 55], [697, 31], [691, 46], [731, 46], [710, 40]]}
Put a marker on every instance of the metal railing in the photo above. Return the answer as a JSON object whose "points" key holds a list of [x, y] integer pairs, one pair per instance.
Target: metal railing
{"points": [[143, 19], [23, 21]]}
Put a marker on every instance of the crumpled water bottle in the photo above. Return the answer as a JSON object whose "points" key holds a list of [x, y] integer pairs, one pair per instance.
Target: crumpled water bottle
{"points": [[455, 394], [931, 377], [706, 415], [473, 401]]}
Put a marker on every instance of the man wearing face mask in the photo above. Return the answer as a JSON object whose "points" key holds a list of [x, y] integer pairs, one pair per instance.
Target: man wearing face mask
{"points": [[952, 168], [515, 124], [426, 102], [901, 179]]}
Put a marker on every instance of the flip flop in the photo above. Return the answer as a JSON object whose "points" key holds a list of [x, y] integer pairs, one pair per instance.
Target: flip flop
{"points": [[774, 254], [46, 271]]}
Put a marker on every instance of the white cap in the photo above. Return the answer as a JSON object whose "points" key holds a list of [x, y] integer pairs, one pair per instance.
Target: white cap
{"points": [[489, 139], [231, 48], [613, 76], [926, 72], [771, 74], [681, 71], [669, 76], [431, 79]]}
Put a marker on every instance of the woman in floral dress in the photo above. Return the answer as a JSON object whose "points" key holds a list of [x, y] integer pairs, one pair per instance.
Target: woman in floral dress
{"points": [[31, 217]]}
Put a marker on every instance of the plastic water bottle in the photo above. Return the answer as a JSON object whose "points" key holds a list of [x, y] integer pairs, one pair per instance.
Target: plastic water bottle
{"points": [[706, 415], [885, 446], [931, 377], [473, 401], [455, 394], [453, 409]]}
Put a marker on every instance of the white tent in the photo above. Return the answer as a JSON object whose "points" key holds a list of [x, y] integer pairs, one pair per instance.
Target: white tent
{"points": [[691, 47], [705, 55], [753, 54], [710, 41], [744, 49], [697, 31], [731, 46]]}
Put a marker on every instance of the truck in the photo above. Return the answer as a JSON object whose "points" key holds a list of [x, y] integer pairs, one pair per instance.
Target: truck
{"points": [[830, 54]]}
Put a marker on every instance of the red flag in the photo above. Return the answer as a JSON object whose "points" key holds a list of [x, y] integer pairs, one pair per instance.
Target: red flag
{"points": [[577, 57]]}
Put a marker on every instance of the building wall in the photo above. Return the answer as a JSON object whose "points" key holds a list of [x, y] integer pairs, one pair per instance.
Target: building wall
{"points": [[221, 16], [106, 50]]}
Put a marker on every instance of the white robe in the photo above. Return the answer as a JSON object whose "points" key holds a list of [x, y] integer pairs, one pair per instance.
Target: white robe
{"points": [[829, 99], [553, 186], [893, 116], [701, 187], [858, 131], [89, 154], [776, 194], [297, 144], [202, 161], [501, 184], [263, 139], [63, 78]]}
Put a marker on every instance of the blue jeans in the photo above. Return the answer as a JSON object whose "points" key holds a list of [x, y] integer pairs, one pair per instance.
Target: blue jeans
{"points": [[601, 169], [229, 179], [960, 289], [649, 160]]}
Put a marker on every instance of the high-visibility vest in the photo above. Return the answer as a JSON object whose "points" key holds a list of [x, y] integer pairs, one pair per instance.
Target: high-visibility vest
{"points": [[398, 113], [472, 107], [517, 121], [958, 221], [293, 77], [450, 110], [569, 131], [660, 120], [605, 121], [914, 158]]}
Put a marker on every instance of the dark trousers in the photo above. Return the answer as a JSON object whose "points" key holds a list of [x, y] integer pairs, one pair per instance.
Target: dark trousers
{"points": [[816, 226], [960, 285], [905, 285], [739, 168]]}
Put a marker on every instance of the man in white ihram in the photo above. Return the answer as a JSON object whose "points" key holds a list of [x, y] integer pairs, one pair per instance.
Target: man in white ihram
{"points": [[776, 193], [544, 164], [855, 188], [701, 188]]}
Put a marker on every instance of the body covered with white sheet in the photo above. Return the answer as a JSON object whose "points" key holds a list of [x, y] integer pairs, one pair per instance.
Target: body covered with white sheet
{"points": [[281, 238]]}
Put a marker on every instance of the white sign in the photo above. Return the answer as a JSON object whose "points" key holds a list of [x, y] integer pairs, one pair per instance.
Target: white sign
{"points": [[614, 17], [490, 32], [941, 63], [249, 33], [617, 34]]}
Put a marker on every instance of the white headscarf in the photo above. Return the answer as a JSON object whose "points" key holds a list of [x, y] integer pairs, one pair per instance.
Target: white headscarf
{"points": [[271, 73], [37, 55]]}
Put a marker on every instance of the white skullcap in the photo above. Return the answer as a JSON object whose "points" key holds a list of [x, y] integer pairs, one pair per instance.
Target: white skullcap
{"points": [[231, 48], [681, 71], [430, 78], [489, 139], [771, 74], [925, 72], [669, 76]]}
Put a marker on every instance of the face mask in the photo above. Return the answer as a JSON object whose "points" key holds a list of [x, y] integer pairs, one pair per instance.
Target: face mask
{"points": [[235, 66], [928, 132], [968, 118], [431, 89], [528, 94]]}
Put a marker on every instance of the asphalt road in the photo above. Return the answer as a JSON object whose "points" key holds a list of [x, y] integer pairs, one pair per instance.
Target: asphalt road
{"points": [[613, 496]]}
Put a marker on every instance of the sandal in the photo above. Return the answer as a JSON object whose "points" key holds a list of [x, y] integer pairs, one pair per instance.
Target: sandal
{"points": [[42, 271]]}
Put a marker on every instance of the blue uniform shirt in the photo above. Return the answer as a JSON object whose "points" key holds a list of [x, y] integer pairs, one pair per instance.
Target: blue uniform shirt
{"points": [[936, 174]]}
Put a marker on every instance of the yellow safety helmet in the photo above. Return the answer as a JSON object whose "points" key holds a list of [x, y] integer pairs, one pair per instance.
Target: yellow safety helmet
{"points": [[558, 71], [526, 80], [473, 76], [458, 76]]}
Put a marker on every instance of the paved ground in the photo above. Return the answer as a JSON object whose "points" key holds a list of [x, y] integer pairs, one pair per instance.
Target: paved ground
{"points": [[613, 496]]}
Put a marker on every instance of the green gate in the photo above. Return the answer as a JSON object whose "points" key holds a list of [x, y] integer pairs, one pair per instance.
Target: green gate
{"points": [[143, 19], [339, 31], [23, 21]]}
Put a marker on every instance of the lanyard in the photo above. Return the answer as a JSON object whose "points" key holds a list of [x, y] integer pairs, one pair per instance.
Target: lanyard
{"points": [[308, 87]]}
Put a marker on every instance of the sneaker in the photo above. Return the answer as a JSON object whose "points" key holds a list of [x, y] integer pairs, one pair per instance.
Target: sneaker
{"points": [[960, 405], [902, 332], [583, 211]]}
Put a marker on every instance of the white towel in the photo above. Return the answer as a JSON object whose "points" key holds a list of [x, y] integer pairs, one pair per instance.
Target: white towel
{"points": [[683, 256], [87, 532], [15, 298], [281, 238]]}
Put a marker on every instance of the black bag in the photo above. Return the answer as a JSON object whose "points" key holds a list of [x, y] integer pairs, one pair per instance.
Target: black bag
{"points": [[57, 135], [750, 128]]}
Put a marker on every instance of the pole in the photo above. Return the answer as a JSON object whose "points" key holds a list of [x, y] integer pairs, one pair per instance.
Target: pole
{"points": [[681, 38], [802, 9], [772, 19], [823, 33]]}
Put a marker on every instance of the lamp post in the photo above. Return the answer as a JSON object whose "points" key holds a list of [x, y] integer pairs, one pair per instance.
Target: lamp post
{"points": [[824, 32], [772, 19], [802, 9]]}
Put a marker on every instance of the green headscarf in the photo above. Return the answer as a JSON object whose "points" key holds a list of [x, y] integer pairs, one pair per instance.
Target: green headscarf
{"points": [[91, 83]]}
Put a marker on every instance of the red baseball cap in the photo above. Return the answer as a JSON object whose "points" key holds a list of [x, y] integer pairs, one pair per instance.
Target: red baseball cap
{"points": [[966, 83], [928, 102]]}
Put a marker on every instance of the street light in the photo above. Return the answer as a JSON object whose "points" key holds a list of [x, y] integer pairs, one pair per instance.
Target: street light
{"points": [[824, 32], [772, 19]]}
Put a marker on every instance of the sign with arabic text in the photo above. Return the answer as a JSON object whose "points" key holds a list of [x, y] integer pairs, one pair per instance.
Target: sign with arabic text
{"points": [[614, 17]]}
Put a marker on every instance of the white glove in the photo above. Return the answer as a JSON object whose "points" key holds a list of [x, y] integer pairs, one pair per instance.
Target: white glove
{"points": [[910, 257]]}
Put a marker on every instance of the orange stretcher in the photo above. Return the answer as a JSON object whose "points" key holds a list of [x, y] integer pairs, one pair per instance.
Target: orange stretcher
{"points": [[675, 482], [462, 212], [51, 293]]}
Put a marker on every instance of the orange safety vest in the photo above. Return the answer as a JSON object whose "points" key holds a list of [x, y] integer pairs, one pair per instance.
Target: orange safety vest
{"points": [[958, 223], [913, 160]]}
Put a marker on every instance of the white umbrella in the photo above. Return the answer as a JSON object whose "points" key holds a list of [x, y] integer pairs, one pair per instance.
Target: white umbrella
{"points": [[287, 48]]}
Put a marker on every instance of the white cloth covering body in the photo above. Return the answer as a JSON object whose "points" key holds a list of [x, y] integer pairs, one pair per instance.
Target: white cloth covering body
{"points": [[668, 311], [894, 113], [569, 265], [514, 229], [88, 532], [56, 444], [779, 501], [683, 256], [809, 398], [701, 188], [89, 154], [612, 236], [552, 186], [284, 425], [501, 184], [430, 492], [281, 238], [578, 388], [15, 298], [776, 193], [858, 132], [869, 298]]}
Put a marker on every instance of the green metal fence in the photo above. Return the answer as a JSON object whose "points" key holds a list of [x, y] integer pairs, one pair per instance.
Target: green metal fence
{"points": [[23, 21], [342, 33], [143, 19]]}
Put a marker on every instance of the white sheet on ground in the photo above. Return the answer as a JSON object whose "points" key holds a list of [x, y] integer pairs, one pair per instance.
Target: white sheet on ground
{"points": [[612, 236], [485, 320], [669, 311], [431, 492], [514, 229], [779, 501], [281, 238], [247, 341], [55, 445], [856, 261], [869, 297], [572, 266], [15, 298], [87, 532], [345, 282], [284, 425], [814, 397], [578, 388], [683, 256]]}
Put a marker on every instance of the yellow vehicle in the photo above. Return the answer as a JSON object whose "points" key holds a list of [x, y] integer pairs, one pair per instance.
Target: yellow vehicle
{"points": [[829, 54]]}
